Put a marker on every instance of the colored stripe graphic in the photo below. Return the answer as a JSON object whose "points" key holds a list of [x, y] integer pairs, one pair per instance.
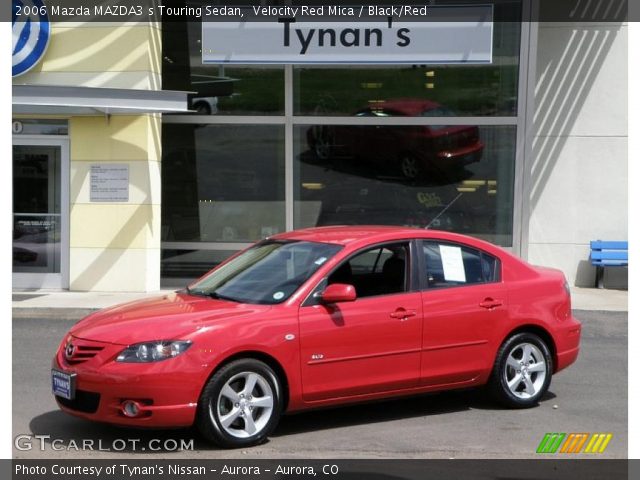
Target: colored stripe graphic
{"points": [[598, 443], [550, 443], [573, 443]]}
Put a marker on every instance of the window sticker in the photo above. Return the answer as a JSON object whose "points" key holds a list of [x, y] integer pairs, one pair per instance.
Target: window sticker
{"points": [[320, 261], [278, 295], [452, 264]]}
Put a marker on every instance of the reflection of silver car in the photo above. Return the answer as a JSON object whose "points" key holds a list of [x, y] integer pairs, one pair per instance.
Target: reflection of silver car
{"points": [[205, 105]]}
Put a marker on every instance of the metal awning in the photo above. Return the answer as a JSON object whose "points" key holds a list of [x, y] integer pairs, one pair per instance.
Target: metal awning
{"points": [[63, 100]]}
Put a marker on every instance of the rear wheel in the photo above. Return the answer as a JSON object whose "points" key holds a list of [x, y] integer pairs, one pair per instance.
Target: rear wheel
{"points": [[240, 405], [522, 371], [322, 142]]}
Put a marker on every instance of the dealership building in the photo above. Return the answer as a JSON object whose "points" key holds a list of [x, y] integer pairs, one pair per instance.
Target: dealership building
{"points": [[145, 153]]}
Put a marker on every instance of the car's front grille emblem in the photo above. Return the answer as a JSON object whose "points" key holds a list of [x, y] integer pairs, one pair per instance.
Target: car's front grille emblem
{"points": [[69, 351]]}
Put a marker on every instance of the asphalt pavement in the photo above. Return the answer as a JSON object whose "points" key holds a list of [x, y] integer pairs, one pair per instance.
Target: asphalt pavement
{"points": [[589, 397]]}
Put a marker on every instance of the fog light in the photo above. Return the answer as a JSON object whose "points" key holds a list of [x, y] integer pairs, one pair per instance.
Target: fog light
{"points": [[131, 408]]}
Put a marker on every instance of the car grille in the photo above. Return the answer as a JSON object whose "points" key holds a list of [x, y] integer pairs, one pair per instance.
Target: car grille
{"points": [[86, 402], [81, 351]]}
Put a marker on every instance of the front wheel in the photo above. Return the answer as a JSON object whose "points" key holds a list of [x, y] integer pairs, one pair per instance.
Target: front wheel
{"points": [[240, 405], [522, 371], [410, 167]]}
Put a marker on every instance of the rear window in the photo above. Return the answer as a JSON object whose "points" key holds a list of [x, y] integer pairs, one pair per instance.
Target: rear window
{"points": [[451, 265]]}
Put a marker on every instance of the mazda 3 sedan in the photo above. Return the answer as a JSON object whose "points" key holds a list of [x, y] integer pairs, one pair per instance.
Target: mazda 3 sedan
{"points": [[321, 317]]}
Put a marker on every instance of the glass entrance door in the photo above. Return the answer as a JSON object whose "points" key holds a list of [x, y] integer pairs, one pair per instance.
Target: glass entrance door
{"points": [[40, 214]]}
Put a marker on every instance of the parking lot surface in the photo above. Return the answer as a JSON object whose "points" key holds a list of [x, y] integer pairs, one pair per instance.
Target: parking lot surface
{"points": [[589, 397]]}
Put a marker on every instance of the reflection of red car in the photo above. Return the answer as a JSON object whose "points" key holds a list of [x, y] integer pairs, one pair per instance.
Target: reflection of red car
{"points": [[321, 317], [411, 150]]}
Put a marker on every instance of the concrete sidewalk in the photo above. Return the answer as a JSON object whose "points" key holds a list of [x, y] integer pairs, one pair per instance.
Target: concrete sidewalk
{"points": [[63, 304]]}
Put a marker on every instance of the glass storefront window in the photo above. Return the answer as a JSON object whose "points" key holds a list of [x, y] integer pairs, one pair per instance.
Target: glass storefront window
{"points": [[223, 179], [456, 178], [222, 183]]}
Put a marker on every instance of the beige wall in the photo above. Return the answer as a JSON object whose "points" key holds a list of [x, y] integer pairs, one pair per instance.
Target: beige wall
{"points": [[579, 170]]}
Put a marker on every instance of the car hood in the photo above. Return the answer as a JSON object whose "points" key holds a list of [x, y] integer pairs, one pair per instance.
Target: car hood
{"points": [[167, 317]]}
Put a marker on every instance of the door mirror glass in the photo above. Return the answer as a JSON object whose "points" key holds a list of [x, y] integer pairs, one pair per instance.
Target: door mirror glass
{"points": [[338, 292]]}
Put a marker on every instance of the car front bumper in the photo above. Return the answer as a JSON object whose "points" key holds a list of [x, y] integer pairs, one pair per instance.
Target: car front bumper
{"points": [[167, 392]]}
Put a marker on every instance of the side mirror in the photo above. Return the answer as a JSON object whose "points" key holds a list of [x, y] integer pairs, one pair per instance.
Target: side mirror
{"points": [[338, 292]]}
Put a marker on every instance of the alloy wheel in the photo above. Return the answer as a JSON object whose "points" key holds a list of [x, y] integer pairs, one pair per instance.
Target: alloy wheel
{"points": [[525, 370], [245, 405]]}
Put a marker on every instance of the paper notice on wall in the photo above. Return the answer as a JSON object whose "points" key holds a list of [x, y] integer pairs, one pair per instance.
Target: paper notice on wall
{"points": [[452, 263], [109, 183]]}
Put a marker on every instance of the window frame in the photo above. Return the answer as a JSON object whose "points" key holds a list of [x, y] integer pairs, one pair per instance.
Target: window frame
{"points": [[422, 280]]}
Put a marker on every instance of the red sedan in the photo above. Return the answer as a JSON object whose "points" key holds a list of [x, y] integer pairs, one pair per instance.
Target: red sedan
{"points": [[321, 317]]}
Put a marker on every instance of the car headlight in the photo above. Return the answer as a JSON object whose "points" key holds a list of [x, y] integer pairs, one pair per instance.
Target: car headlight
{"points": [[152, 351]]}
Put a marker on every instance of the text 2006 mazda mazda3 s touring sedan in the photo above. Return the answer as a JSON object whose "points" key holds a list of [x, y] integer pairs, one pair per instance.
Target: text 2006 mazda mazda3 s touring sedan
{"points": [[321, 317]]}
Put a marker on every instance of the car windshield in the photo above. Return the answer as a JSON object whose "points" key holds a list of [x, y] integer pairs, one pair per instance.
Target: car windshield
{"points": [[266, 273]]}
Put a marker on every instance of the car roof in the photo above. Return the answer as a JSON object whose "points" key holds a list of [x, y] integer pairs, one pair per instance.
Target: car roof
{"points": [[346, 235]]}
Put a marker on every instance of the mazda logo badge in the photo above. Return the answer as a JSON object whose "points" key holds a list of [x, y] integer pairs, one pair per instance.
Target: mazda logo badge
{"points": [[71, 348]]}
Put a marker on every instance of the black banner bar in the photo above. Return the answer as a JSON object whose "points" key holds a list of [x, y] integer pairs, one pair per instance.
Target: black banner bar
{"points": [[573, 11], [133, 469]]}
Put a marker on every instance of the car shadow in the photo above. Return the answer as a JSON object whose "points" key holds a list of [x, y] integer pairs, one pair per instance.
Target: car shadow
{"points": [[440, 403], [70, 432]]}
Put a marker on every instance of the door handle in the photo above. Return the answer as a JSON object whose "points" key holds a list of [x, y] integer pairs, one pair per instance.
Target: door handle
{"points": [[490, 303], [403, 314]]}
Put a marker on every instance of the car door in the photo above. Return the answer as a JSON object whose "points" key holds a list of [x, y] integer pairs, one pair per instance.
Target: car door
{"points": [[464, 302], [368, 345]]}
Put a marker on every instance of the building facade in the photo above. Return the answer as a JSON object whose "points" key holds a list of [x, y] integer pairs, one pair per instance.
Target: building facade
{"points": [[124, 182]]}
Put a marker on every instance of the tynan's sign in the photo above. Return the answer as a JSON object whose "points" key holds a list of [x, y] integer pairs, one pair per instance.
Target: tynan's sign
{"points": [[449, 35], [31, 33]]}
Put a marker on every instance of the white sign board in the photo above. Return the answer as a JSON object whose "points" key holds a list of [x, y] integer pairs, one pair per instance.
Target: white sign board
{"points": [[109, 183], [368, 41], [452, 264]]}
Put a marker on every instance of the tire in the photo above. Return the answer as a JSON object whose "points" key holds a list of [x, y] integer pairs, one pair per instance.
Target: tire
{"points": [[322, 142], [202, 108], [227, 402], [410, 167], [522, 371]]}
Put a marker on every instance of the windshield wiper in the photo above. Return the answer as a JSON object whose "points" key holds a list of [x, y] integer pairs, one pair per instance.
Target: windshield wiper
{"points": [[217, 296], [214, 295]]}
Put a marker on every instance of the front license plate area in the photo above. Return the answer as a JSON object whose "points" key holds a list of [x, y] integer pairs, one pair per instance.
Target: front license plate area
{"points": [[63, 384]]}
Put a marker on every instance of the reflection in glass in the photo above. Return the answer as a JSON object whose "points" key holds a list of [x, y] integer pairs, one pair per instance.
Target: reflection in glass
{"points": [[412, 151], [222, 183], [219, 89], [466, 90], [362, 178]]}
